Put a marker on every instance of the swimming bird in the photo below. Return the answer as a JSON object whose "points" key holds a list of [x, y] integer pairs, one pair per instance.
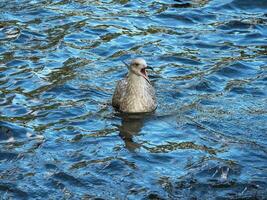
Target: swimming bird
{"points": [[134, 93]]}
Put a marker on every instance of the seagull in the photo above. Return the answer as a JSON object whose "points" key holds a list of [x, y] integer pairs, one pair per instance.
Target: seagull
{"points": [[134, 93]]}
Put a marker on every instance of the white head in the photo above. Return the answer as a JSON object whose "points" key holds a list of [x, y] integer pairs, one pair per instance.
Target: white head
{"points": [[138, 66]]}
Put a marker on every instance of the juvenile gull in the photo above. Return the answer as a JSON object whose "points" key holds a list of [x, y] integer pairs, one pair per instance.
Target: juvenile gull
{"points": [[134, 93]]}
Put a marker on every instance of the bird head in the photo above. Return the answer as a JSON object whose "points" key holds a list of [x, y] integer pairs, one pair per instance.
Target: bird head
{"points": [[138, 66]]}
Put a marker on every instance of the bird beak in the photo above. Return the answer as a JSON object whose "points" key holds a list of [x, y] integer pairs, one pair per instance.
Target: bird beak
{"points": [[148, 67], [146, 76]]}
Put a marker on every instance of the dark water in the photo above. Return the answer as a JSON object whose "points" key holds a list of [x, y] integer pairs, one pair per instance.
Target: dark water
{"points": [[61, 139]]}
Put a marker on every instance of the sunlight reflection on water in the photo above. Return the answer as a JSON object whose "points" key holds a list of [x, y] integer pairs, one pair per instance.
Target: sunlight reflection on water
{"points": [[59, 136]]}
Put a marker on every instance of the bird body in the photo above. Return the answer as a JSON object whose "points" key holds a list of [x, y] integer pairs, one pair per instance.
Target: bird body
{"points": [[134, 93]]}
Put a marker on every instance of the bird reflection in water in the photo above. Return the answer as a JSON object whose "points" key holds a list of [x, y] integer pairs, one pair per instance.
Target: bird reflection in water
{"points": [[131, 126]]}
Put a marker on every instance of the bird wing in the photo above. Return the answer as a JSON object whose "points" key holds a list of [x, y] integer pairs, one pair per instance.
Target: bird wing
{"points": [[152, 93], [119, 93]]}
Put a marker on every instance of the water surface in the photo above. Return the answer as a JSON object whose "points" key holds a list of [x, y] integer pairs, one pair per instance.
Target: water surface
{"points": [[61, 139]]}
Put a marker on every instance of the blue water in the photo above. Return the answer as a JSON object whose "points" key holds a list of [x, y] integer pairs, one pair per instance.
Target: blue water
{"points": [[60, 137]]}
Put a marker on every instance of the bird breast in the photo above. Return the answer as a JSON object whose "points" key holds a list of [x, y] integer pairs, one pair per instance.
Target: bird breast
{"points": [[139, 96]]}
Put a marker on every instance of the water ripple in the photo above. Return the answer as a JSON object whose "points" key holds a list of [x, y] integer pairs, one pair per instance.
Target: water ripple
{"points": [[60, 137]]}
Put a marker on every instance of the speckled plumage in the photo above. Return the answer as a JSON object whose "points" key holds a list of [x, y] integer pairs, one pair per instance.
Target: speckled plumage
{"points": [[134, 93]]}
